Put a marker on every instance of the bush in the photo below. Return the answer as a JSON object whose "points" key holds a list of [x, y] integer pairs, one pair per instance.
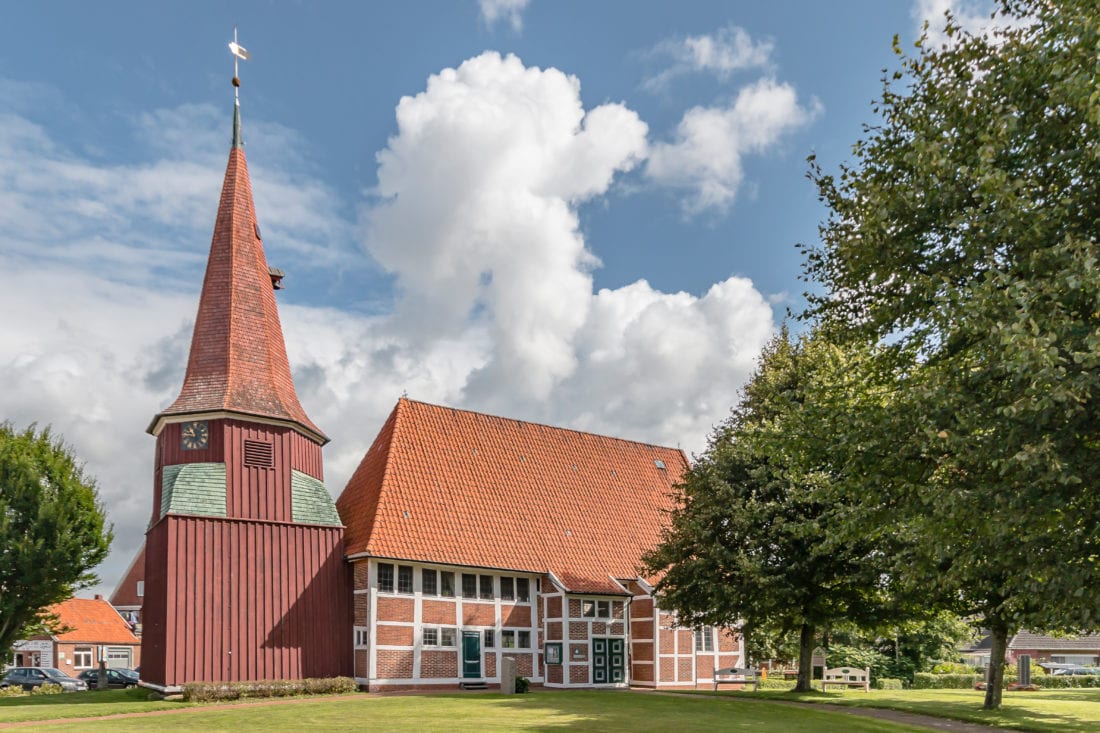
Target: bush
{"points": [[951, 668], [47, 690], [776, 684], [15, 691], [216, 691], [887, 683], [929, 681], [522, 684], [1065, 681]]}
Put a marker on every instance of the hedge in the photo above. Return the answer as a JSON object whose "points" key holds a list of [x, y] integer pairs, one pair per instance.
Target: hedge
{"points": [[213, 691], [1055, 681], [887, 683], [929, 681]]}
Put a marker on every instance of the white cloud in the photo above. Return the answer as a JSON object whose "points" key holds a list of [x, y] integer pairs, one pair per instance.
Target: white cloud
{"points": [[705, 157], [973, 16], [509, 10], [726, 51], [476, 217]]}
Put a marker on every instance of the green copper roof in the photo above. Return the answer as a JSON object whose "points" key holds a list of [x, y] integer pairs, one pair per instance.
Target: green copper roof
{"points": [[193, 488], [237, 126], [310, 501]]}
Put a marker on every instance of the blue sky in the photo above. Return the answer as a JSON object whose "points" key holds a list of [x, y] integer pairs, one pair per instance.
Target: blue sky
{"points": [[576, 213]]}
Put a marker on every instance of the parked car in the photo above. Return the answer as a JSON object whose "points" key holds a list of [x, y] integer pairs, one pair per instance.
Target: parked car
{"points": [[30, 677], [116, 678]]}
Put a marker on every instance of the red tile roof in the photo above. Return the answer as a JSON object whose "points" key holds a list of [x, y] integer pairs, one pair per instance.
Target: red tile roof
{"points": [[126, 592], [93, 621], [238, 358], [457, 487]]}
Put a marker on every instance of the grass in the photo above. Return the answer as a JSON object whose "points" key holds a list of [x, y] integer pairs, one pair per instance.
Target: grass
{"points": [[457, 713], [79, 705], [1046, 711]]}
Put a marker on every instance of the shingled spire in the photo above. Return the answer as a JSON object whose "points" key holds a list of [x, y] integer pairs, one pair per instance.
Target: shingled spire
{"points": [[238, 361]]}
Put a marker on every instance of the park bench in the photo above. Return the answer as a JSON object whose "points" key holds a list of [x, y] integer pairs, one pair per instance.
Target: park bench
{"points": [[743, 675], [847, 677]]}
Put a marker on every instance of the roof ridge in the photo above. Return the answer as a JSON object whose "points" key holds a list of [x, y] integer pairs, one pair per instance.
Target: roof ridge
{"points": [[556, 428]]}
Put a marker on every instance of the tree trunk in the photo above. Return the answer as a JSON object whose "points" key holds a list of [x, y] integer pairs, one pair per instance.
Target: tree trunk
{"points": [[805, 659], [996, 666]]}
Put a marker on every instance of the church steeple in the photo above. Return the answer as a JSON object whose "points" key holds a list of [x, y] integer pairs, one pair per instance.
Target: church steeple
{"points": [[238, 362]]}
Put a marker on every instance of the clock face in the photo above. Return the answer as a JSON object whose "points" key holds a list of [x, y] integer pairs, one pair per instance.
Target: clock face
{"points": [[195, 435]]}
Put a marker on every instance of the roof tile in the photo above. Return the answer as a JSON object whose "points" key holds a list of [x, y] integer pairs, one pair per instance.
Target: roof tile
{"points": [[91, 620]]}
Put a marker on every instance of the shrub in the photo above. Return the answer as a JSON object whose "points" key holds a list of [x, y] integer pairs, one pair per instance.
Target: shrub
{"points": [[929, 681], [216, 691], [887, 683], [15, 691], [1064, 681], [46, 690], [522, 684], [951, 668]]}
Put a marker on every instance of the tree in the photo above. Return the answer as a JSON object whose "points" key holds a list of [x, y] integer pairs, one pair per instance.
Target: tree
{"points": [[750, 542], [962, 241], [52, 528]]}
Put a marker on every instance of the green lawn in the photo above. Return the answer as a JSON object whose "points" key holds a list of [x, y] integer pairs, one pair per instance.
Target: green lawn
{"points": [[1045, 711], [456, 713]]}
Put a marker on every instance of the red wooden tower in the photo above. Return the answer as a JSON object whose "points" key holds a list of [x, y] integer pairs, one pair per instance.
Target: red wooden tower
{"points": [[244, 570]]}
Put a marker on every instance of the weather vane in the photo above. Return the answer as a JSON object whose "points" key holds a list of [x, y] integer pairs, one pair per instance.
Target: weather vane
{"points": [[240, 53]]}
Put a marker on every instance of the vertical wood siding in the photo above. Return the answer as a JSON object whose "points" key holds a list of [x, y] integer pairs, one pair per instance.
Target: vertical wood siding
{"points": [[246, 601]]}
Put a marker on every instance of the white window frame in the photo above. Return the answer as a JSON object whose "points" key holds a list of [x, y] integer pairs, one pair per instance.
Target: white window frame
{"points": [[79, 653]]}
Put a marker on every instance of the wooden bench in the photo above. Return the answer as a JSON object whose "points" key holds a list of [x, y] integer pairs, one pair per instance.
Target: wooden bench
{"points": [[743, 675], [847, 677]]}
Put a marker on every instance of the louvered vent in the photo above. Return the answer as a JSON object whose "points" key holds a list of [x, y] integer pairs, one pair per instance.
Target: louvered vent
{"points": [[258, 454]]}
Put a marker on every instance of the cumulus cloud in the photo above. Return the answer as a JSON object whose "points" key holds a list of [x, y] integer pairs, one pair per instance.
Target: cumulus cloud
{"points": [[973, 16], [728, 50], [507, 10], [475, 216], [705, 156]]}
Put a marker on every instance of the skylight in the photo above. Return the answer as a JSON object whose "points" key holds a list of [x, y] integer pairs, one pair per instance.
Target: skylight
{"points": [[659, 463]]}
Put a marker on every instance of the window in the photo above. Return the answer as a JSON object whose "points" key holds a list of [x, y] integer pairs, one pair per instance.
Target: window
{"points": [[431, 636], [385, 577], [141, 588], [486, 587], [490, 639], [523, 639], [596, 609], [404, 579], [447, 637], [523, 592], [82, 657], [588, 609], [447, 584], [508, 639], [428, 582], [362, 636], [704, 639], [507, 589], [469, 585]]}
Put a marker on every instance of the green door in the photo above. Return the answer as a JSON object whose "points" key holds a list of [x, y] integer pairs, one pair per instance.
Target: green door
{"points": [[608, 661], [471, 654]]}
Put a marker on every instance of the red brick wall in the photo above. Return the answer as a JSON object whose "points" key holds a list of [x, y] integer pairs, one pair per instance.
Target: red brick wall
{"points": [[578, 674], [360, 574], [438, 612], [617, 628], [641, 629], [435, 664], [362, 659], [617, 610], [553, 630], [479, 614], [667, 640], [362, 609], [687, 641], [668, 669], [574, 656], [705, 665], [490, 664], [554, 673], [642, 673], [643, 650], [553, 607], [515, 616], [641, 607], [578, 630], [395, 635], [395, 609], [523, 664], [599, 628], [394, 663], [574, 607], [728, 641], [683, 670]]}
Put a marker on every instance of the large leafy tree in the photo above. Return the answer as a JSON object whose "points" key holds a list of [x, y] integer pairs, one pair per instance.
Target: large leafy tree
{"points": [[963, 241], [751, 541], [52, 528]]}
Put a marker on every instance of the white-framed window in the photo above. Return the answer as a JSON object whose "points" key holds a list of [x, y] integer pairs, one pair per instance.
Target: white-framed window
{"points": [[704, 639], [120, 657], [439, 636], [508, 639], [385, 577], [362, 637], [523, 639], [469, 585], [596, 609], [83, 658], [490, 640], [507, 589], [485, 587], [523, 590], [447, 636], [141, 588], [430, 636], [429, 582], [446, 583], [404, 579]]}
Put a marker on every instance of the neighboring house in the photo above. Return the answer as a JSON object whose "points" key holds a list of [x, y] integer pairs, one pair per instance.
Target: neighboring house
{"points": [[469, 538], [130, 591], [1083, 650], [475, 537], [91, 629]]}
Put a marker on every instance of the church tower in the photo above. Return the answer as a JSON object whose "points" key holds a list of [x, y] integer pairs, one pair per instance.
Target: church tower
{"points": [[244, 570]]}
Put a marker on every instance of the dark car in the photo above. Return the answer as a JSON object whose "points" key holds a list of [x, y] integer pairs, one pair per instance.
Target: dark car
{"points": [[116, 678], [30, 677]]}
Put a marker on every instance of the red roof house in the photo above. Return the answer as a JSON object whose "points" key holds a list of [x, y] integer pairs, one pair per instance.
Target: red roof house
{"points": [[88, 628]]}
